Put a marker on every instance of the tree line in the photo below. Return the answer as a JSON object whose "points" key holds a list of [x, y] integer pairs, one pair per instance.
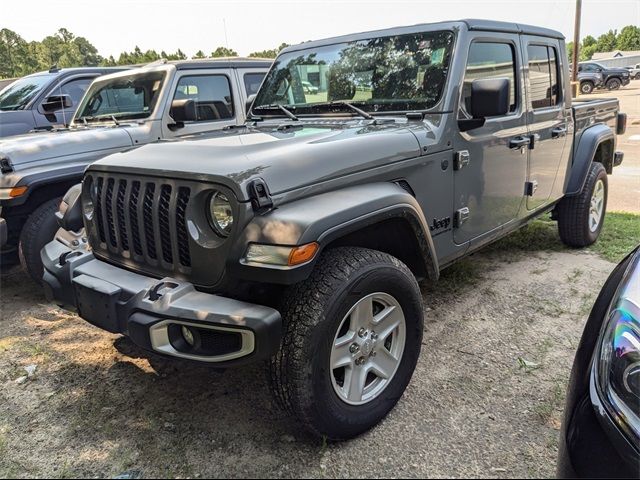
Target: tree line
{"points": [[628, 39], [19, 57]]}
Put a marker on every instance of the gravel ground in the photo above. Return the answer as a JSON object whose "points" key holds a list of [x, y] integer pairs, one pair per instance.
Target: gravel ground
{"points": [[97, 406], [485, 400]]}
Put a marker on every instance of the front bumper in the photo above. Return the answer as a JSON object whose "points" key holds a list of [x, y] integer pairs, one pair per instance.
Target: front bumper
{"points": [[152, 312]]}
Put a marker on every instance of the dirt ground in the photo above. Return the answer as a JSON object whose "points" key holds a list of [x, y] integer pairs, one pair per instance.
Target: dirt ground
{"points": [[485, 400]]}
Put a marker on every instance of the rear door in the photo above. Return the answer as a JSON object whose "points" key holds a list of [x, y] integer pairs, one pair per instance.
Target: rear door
{"points": [[489, 187], [548, 117], [217, 100]]}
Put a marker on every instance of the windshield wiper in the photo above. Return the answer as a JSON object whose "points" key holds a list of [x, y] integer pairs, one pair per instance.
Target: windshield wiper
{"points": [[359, 111], [278, 106]]}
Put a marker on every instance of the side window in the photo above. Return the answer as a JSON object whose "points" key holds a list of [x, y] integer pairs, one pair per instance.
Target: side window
{"points": [[489, 60], [252, 82], [211, 93], [543, 76], [75, 89]]}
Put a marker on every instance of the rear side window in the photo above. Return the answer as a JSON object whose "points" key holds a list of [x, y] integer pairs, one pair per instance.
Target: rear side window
{"points": [[489, 60], [211, 93], [252, 82], [543, 76]]}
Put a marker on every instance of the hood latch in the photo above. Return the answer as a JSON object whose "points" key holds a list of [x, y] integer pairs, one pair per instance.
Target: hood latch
{"points": [[259, 194]]}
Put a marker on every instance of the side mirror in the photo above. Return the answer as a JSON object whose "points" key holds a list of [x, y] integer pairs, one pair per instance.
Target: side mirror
{"points": [[249, 102], [69, 215], [57, 102], [599, 70], [184, 110], [489, 97]]}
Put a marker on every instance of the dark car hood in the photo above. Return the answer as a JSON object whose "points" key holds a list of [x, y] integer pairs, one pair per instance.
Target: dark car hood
{"points": [[284, 159]]}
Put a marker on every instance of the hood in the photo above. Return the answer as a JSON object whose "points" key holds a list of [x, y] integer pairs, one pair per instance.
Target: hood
{"points": [[284, 159], [27, 149]]}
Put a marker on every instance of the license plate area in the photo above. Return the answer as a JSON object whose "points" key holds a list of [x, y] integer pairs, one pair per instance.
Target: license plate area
{"points": [[97, 301]]}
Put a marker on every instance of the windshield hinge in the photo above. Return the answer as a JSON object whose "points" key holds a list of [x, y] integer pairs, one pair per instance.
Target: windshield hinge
{"points": [[259, 195], [5, 165]]}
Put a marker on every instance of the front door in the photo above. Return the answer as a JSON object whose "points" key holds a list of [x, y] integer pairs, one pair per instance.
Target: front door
{"points": [[489, 189], [548, 119], [217, 102]]}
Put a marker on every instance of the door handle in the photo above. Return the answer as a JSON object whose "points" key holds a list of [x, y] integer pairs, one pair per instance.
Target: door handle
{"points": [[519, 142], [558, 132]]}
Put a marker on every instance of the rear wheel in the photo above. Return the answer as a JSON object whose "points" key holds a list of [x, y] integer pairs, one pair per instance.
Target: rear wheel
{"points": [[39, 229], [614, 83], [586, 87], [353, 333], [580, 217]]}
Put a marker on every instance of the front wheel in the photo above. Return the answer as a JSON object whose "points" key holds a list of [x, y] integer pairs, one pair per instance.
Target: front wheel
{"points": [[580, 217], [586, 88], [614, 84], [39, 229], [353, 333]]}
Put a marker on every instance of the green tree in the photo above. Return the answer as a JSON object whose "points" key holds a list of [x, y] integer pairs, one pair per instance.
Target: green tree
{"points": [[273, 53], [588, 41], [607, 41], [629, 38], [13, 51], [224, 52], [199, 54]]}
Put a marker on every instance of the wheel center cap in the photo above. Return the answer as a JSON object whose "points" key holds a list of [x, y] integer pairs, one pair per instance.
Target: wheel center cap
{"points": [[367, 347]]}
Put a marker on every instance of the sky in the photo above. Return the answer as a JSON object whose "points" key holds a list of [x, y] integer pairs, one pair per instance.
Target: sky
{"points": [[246, 26]]}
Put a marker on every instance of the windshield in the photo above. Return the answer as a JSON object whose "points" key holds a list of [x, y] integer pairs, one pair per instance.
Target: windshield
{"points": [[399, 73], [124, 97], [18, 94]]}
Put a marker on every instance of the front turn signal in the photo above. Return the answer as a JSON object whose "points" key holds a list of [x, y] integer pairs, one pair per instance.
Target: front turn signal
{"points": [[303, 254]]}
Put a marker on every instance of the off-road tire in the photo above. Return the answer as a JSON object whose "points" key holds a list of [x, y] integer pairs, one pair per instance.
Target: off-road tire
{"points": [[586, 87], [614, 83], [573, 212], [312, 311], [39, 229]]}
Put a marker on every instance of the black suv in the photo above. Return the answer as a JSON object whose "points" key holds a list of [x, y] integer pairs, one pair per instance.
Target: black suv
{"points": [[612, 78]]}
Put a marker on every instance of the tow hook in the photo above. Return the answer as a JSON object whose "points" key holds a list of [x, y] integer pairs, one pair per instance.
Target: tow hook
{"points": [[157, 291]]}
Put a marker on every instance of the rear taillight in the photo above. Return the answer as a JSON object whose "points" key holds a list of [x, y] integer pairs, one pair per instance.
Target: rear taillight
{"points": [[621, 125]]}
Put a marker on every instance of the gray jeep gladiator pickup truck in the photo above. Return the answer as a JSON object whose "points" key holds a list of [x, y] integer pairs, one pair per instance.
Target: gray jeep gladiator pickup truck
{"points": [[300, 237], [163, 100]]}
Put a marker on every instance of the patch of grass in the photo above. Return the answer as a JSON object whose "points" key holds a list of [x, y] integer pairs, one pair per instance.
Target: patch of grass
{"points": [[554, 401], [620, 234], [574, 275], [462, 274]]}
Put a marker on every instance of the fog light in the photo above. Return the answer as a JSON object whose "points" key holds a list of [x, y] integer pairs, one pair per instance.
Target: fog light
{"points": [[187, 334]]}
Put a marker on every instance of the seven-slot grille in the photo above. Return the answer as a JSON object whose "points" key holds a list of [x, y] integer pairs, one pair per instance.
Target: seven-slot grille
{"points": [[141, 220]]}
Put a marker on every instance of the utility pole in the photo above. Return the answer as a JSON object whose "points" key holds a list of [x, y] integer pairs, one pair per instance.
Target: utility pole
{"points": [[576, 42]]}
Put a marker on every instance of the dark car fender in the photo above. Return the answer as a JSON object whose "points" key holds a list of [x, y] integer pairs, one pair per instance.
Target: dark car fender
{"points": [[329, 217], [584, 154]]}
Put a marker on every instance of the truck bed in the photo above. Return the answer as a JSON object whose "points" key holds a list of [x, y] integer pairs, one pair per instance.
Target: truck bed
{"points": [[588, 112]]}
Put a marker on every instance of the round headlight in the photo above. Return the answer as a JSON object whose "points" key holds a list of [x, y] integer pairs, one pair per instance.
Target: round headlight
{"points": [[221, 213], [88, 202]]}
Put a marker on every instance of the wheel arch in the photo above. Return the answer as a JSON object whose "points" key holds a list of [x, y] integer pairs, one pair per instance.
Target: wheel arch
{"points": [[381, 216], [596, 144]]}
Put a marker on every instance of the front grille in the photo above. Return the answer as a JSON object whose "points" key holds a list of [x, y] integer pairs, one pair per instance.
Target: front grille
{"points": [[141, 221]]}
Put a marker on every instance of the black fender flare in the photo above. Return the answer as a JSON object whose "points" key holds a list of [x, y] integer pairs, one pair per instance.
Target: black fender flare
{"points": [[329, 216], [584, 154]]}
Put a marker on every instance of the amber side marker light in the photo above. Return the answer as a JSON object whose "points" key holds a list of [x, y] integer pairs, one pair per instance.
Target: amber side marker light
{"points": [[13, 192], [303, 254]]}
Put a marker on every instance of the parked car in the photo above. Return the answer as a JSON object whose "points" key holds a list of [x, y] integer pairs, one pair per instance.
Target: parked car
{"points": [[589, 81], [300, 238], [45, 100], [164, 100], [613, 78], [634, 71], [600, 434]]}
